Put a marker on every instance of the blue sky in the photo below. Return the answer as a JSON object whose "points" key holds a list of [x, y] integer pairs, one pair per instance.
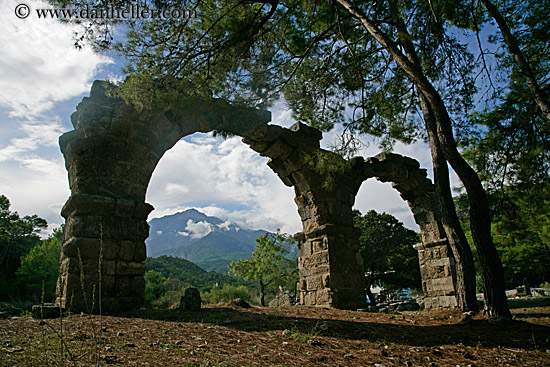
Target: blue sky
{"points": [[42, 79]]}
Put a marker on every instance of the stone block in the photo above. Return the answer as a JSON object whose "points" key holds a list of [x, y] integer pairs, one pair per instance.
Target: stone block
{"points": [[443, 286], [326, 280], [283, 299], [122, 286], [304, 249], [46, 311], [127, 251], [323, 297], [81, 204], [141, 252], [318, 258], [257, 146], [439, 302], [109, 267], [314, 283], [308, 298], [108, 284], [124, 208], [137, 286], [87, 247], [318, 245], [71, 265], [129, 268], [307, 131], [142, 210], [296, 161], [278, 149], [191, 300], [427, 286], [318, 269]]}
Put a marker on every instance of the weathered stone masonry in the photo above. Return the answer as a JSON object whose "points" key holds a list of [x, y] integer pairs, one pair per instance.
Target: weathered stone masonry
{"points": [[437, 264], [110, 157]]}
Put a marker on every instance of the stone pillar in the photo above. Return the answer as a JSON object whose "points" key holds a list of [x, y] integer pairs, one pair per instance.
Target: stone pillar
{"points": [[103, 235], [437, 263], [331, 269], [437, 268]]}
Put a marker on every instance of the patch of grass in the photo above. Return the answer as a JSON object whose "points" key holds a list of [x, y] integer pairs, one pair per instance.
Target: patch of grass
{"points": [[307, 335]]}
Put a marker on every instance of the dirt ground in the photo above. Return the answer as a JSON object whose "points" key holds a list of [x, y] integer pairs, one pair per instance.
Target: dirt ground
{"points": [[225, 335]]}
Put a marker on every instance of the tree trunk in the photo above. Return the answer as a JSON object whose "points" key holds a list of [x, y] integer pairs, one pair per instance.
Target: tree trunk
{"points": [[465, 269], [262, 294], [496, 304], [522, 62]]}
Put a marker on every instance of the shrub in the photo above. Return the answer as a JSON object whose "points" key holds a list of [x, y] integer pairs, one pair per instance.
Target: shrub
{"points": [[226, 293], [40, 265]]}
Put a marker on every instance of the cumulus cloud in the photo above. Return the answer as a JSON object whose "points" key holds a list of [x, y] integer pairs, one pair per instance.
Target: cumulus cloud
{"points": [[225, 179], [198, 229], [225, 225], [281, 114], [35, 134], [39, 69], [39, 65], [36, 185]]}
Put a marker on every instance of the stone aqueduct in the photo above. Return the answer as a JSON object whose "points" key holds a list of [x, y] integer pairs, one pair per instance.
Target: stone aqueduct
{"points": [[110, 157]]}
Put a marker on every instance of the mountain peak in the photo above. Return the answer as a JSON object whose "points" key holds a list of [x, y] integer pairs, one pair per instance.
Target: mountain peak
{"points": [[198, 237]]}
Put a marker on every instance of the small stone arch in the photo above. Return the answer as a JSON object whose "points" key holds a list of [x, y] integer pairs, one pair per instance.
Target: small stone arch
{"points": [[110, 157], [437, 263]]}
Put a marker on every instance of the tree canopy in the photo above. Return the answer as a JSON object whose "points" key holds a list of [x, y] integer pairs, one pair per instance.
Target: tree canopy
{"points": [[271, 263], [387, 251], [17, 237]]}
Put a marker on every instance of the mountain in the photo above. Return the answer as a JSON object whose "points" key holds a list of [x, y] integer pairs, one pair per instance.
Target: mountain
{"points": [[207, 241], [191, 274]]}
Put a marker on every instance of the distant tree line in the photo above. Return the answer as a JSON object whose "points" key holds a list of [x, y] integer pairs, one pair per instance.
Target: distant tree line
{"points": [[29, 266]]}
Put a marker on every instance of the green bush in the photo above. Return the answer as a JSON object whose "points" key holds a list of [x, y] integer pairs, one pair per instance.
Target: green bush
{"points": [[174, 289], [40, 266], [226, 293], [154, 287]]}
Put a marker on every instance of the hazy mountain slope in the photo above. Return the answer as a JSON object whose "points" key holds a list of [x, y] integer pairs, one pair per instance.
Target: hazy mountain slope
{"points": [[204, 240]]}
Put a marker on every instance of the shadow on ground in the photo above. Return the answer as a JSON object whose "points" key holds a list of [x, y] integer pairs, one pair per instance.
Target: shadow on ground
{"points": [[411, 328]]}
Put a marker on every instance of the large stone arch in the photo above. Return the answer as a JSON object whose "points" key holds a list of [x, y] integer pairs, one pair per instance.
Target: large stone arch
{"points": [[110, 157]]}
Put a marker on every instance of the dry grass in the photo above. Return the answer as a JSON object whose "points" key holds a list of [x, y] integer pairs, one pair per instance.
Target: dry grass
{"points": [[222, 335]]}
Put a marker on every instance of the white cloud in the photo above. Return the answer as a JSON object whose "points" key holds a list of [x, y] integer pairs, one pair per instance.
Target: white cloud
{"points": [[183, 234], [36, 185], [225, 179], [176, 189], [36, 134], [39, 65], [198, 229], [225, 225], [281, 114], [39, 68]]}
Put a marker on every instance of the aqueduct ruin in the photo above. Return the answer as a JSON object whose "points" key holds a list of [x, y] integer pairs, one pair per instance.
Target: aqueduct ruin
{"points": [[113, 150]]}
